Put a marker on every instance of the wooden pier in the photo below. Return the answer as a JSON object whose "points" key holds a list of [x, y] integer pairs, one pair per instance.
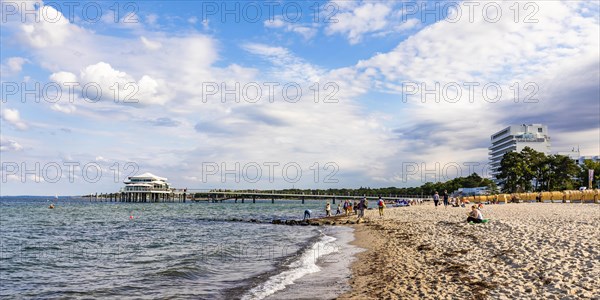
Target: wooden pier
{"points": [[220, 196], [183, 195]]}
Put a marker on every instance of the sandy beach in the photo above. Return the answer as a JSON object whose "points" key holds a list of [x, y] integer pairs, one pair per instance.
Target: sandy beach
{"points": [[527, 251]]}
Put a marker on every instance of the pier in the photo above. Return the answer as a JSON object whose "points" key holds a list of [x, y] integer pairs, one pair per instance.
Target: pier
{"points": [[199, 195], [242, 196]]}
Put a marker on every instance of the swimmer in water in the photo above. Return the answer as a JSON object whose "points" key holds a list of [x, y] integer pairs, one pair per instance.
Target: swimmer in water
{"points": [[51, 206]]}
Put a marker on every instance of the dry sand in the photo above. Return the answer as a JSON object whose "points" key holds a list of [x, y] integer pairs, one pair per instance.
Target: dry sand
{"points": [[527, 251]]}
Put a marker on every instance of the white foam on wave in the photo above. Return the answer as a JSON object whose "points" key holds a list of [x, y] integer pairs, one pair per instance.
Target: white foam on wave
{"points": [[304, 265]]}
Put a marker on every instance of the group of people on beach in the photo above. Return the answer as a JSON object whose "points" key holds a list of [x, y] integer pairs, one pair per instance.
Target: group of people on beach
{"points": [[357, 207], [445, 197], [475, 215]]}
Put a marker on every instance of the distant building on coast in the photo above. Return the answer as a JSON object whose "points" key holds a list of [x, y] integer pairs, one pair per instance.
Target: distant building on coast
{"points": [[147, 187], [515, 138], [576, 156]]}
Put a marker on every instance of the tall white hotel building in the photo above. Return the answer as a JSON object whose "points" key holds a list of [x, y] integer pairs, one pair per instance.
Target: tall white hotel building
{"points": [[515, 138]]}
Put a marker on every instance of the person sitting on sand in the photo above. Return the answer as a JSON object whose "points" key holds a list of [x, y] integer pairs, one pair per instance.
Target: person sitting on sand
{"points": [[475, 215], [328, 210]]}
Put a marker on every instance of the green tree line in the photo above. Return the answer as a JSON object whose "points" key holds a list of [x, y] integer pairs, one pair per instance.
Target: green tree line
{"points": [[427, 189], [530, 170]]}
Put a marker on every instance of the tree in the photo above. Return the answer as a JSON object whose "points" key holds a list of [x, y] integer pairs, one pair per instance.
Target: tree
{"points": [[514, 173], [534, 168], [562, 172], [583, 177]]}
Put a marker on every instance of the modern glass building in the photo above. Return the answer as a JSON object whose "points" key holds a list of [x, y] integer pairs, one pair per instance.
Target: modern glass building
{"points": [[515, 138]]}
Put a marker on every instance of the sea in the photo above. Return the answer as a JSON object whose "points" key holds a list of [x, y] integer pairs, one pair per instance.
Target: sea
{"points": [[192, 250]]}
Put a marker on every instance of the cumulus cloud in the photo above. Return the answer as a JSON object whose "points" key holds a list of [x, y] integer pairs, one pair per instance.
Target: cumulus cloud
{"points": [[13, 118], [102, 80], [51, 29], [503, 53], [355, 19], [13, 65], [370, 132]]}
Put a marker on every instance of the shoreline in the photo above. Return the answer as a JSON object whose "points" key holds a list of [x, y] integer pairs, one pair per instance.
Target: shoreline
{"points": [[527, 251], [331, 280]]}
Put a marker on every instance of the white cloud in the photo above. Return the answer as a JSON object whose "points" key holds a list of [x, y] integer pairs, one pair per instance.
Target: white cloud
{"points": [[12, 117], [65, 108], [13, 66], [307, 32], [562, 42], [151, 19], [355, 21], [287, 65], [114, 85], [9, 145], [63, 77], [52, 28], [152, 45]]}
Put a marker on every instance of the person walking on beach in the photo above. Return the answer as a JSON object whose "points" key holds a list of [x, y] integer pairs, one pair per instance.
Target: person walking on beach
{"points": [[347, 206], [328, 210], [355, 207], [475, 215], [307, 214], [445, 199], [381, 205], [362, 205], [339, 209], [436, 199]]}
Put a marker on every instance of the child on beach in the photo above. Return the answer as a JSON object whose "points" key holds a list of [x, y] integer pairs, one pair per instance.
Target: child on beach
{"points": [[328, 209], [339, 209], [475, 215]]}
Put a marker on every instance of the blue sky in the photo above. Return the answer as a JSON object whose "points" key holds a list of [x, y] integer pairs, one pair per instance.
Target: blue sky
{"points": [[167, 64]]}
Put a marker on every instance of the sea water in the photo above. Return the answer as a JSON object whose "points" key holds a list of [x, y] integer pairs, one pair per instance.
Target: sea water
{"points": [[87, 249]]}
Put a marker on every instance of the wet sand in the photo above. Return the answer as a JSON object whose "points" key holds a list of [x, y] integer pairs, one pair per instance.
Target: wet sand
{"points": [[527, 251]]}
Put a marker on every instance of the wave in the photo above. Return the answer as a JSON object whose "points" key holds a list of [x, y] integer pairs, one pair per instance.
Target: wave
{"points": [[304, 265]]}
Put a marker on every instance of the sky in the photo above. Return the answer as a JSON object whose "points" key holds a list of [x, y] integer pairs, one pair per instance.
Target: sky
{"points": [[285, 94]]}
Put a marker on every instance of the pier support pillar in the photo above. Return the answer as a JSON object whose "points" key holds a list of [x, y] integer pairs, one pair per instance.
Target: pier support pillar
{"points": [[302, 200], [242, 199], [253, 199], [235, 199], [333, 200], [273, 200]]}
